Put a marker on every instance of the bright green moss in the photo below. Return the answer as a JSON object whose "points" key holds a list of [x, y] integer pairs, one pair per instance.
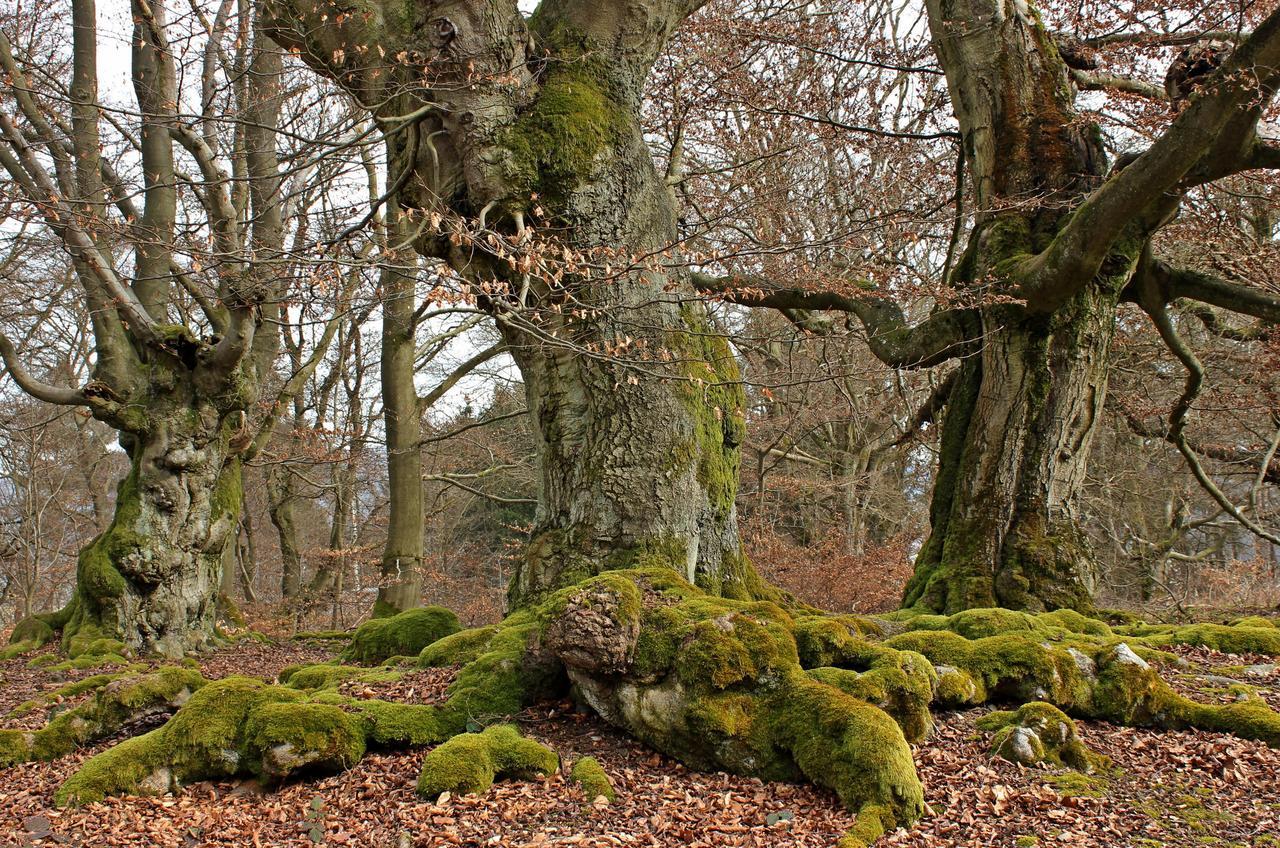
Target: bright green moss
{"points": [[1247, 621], [389, 723], [901, 683], [457, 648], [400, 635], [957, 688], [288, 737], [1038, 733], [823, 641], [590, 775], [469, 763], [554, 144], [848, 746], [331, 675]]}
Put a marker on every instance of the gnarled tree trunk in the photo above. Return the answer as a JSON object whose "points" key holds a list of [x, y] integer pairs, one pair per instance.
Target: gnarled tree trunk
{"points": [[635, 404]]}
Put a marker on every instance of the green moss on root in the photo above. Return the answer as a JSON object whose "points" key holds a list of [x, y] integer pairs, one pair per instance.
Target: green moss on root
{"points": [[1038, 733], [470, 762], [118, 699], [400, 635], [458, 648]]}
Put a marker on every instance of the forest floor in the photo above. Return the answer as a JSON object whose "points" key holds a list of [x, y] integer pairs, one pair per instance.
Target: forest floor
{"points": [[1165, 789]]}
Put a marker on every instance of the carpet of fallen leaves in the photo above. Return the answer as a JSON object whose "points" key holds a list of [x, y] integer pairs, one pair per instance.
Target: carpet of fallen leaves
{"points": [[1166, 789]]}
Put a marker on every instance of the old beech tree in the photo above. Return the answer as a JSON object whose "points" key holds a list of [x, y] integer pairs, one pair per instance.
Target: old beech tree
{"points": [[185, 337], [1067, 237], [518, 159]]}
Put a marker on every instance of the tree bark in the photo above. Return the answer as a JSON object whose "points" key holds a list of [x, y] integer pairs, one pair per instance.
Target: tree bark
{"points": [[282, 501], [636, 404], [152, 578], [1015, 446], [401, 585]]}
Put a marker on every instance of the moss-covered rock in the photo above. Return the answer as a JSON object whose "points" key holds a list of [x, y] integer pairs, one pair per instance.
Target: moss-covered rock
{"points": [[590, 775], [1039, 734], [470, 762], [404, 634]]}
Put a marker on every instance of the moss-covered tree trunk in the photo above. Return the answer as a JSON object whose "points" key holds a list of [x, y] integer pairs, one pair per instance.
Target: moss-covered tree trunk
{"points": [[151, 580], [638, 451], [1015, 446], [635, 404], [1019, 422]]}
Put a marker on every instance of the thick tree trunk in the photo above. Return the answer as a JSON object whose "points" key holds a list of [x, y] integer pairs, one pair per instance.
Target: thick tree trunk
{"points": [[638, 451], [151, 579], [1015, 444]]}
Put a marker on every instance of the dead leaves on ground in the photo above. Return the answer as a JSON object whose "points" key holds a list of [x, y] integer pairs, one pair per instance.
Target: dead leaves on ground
{"points": [[1169, 789]]}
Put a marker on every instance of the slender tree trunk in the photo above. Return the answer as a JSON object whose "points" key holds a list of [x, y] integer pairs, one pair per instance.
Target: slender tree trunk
{"points": [[282, 501], [401, 584]]}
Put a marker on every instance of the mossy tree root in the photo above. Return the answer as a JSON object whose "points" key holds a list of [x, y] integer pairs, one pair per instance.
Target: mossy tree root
{"points": [[752, 687], [119, 700]]}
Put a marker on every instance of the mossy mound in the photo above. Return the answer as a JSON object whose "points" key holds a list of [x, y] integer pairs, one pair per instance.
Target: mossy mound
{"points": [[119, 699], [590, 775], [1039, 734], [33, 630], [469, 763], [405, 634], [234, 727], [457, 649]]}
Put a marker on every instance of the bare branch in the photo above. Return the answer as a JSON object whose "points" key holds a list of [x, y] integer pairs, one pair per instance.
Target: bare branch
{"points": [[36, 388]]}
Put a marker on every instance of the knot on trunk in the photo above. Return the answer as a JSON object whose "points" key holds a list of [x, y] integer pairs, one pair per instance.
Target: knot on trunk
{"points": [[597, 631]]}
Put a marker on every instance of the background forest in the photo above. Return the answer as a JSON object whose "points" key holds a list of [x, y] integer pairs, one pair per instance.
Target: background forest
{"points": [[798, 139]]}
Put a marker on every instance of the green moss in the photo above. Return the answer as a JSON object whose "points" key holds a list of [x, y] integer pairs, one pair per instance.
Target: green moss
{"points": [[575, 117], [458, 648], [1239, 639], [388, 723], [901, 683], [331, 675], [469, 763], [288, 737], [31, 629], [957, 688], [590, 775], [400, 635], [1247, 621], [1076, 784], [1038, 733], [17, 649], [118, 699], [850, 747]]}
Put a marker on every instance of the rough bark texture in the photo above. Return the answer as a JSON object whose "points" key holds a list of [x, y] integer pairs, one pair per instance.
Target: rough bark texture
{"points": [[636, 406], [1019, 424], [151, 579]]}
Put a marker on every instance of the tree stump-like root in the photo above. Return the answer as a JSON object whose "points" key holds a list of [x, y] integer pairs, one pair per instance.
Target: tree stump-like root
{"points": [[751, 687]]}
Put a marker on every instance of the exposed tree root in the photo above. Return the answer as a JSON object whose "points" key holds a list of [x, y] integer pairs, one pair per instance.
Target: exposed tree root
{"points": [[748, 687]]}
